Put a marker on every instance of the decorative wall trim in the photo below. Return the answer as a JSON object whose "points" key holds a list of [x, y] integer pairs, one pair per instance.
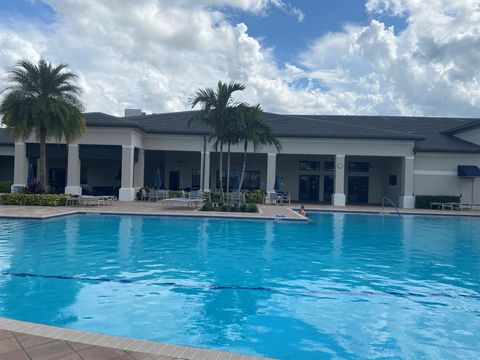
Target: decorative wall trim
{"points": [[436, 173]]}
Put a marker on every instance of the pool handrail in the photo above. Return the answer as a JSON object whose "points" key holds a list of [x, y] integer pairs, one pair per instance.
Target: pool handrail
{"points": [[388, 200]]}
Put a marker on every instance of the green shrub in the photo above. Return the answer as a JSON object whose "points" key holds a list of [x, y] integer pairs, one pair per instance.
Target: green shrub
{"points": [[255, 196], [424, 201], [33, 199], [34, 187], [208, 206], [235, 207], [176, 194], [216, 196], [5, 186]]}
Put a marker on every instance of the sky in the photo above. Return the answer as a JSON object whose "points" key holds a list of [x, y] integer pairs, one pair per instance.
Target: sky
{"points": [[378, 57]]}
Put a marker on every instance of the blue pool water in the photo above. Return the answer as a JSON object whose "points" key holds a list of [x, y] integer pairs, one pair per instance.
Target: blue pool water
{"points": [[346, 286]]}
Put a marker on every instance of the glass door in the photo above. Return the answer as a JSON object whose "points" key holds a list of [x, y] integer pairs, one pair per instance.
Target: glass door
{"points": [[309, 187], [358, 189]]}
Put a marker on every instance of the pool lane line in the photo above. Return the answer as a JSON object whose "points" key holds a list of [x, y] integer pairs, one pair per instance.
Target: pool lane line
{"points": [[305, 292]]}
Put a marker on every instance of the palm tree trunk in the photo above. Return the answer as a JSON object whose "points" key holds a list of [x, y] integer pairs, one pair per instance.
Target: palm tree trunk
{"points": [[220, 170], [244, 166], [228, 172], [42, 179]]}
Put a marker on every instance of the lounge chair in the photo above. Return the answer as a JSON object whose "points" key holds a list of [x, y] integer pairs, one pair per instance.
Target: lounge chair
{"points": [[284, 197], [198, 194], [272, 199], [237, 196], [156, 195], [192, 202]]}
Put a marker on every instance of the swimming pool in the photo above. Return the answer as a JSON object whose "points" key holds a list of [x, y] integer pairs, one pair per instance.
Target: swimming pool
{"points": [[347, 285]]}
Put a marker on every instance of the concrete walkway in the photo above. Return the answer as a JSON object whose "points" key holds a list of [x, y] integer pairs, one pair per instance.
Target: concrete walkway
{"points": [[143, 208]]}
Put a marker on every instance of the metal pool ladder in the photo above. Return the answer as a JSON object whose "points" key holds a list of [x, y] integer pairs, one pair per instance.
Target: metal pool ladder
{"points": [[389, 201]]}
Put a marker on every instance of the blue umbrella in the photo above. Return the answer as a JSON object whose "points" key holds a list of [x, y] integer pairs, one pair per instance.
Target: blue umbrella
{"points": [[31, 175], [277, 183], [157, 182]]}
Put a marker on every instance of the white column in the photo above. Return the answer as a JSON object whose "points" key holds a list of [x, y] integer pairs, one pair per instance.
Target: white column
{"points": [[127, 191], [20, 170], [73, 171], [139, 170], [407, 200], [338, 198], [205, 173], [271, 171]]}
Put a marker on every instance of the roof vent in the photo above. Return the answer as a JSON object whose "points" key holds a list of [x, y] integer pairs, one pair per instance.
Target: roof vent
{"points": [[134, 112]]}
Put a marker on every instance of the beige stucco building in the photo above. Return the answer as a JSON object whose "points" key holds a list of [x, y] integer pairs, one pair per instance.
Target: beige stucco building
{"points": [[330, 159]]}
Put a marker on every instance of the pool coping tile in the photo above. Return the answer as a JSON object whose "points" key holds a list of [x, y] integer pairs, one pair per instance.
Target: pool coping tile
{"points": [[10, 328]]}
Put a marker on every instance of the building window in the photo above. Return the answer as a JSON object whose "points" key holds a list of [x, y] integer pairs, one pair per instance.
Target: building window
{"points": [[196, 179], [392, 180], [251, 179], [329, 165], [310, 165], [358, 166], [84, 175]]}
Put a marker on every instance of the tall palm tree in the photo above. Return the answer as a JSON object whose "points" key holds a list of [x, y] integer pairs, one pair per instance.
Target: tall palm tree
{"points": [[218, 112], [42, 99], [253, 131]]}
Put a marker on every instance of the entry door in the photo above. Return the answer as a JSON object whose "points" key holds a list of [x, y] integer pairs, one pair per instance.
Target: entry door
{"points": [[174, 180], [57, 180], [327, 188], [308, 187], [358, 189]]}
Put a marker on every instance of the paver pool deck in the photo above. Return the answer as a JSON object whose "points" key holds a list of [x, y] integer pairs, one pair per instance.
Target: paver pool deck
{"points": [[267, 212], [23, 340]]}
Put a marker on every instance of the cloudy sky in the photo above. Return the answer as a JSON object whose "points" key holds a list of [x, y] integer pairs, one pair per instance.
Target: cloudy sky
{"points": [[385, 57]]}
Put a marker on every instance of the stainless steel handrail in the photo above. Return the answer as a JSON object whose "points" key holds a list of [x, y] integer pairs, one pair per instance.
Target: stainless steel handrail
{"points": [[391, 203]]}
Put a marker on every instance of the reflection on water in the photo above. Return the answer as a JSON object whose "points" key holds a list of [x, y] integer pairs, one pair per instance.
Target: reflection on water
{"points": [[345, 286]]}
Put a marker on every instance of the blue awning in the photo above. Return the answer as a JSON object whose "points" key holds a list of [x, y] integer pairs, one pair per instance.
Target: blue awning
{"points": [[468, 171]]}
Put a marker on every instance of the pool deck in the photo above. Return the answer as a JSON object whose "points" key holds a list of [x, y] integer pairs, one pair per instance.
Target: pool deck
{"points": [[144, 208], [266, 212], [23, 340]]}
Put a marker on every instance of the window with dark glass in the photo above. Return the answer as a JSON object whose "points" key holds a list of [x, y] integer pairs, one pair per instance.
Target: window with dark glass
{"points": [[310, 165], [392, 180], [358, 166], [196, 179], [251, 179], [329, 165], [83, 175]]}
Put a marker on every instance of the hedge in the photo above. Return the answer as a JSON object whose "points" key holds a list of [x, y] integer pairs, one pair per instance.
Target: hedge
{"points": [[251, 208], [33, 199], [424, 201], [251, 196], [5, 186]]}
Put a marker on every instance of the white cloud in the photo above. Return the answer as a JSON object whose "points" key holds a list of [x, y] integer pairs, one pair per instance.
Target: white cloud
{"points": [[429, 68], [154, 54]]}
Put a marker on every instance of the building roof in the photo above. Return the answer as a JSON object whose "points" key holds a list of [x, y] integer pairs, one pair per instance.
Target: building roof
{"points": [[5, 139], [429, 133]]}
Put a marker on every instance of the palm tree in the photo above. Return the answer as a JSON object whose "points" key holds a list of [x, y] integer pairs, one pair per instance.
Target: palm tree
{"points": [[42, 99], [218, 112], [255, 132]]}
